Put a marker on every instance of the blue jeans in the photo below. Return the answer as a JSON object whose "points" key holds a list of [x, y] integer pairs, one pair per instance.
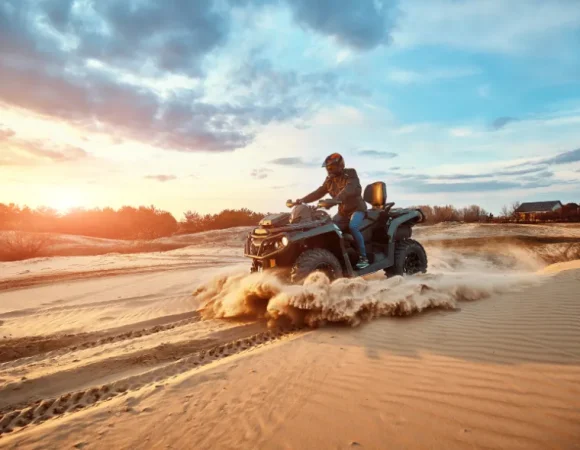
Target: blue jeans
{"points": [[354, 223]]}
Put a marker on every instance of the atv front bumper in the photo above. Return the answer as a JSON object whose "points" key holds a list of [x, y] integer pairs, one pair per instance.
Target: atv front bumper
{"points": [[265, 247]]}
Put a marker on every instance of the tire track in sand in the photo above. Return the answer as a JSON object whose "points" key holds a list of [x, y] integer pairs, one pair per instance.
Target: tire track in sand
{"points": [[18, 352], [114, 365], [41, 410]]}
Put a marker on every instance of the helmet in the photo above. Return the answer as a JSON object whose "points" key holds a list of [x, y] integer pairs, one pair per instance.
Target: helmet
{"points": [[334, 164]]}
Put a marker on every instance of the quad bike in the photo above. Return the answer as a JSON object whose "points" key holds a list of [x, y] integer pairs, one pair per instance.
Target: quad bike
{"points": [[307, 240]]}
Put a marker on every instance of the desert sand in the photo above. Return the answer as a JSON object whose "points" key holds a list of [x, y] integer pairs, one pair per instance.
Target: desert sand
{"points": [[183, 349]]}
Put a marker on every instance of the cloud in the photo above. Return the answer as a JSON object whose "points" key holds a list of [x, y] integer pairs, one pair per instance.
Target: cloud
{"points": [[17, 151], [376, 174], [461, 132], [543, 175], [5, 133], [474, 186], [87, 66], [501, 122], [560, 118], [377, 154], [39, 75], [161, 178], [533, 27], [357, 24], [171, 35], [281, 95], [55, 154], [564, 158], [571, 156], [95, 102], [560, 121], [505, 173], [405, 76], [531, 175], [260, 174], [293, 161], [491, 180]]}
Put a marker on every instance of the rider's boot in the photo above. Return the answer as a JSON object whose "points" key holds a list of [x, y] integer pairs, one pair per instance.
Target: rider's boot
{"points": [[362, 263]]}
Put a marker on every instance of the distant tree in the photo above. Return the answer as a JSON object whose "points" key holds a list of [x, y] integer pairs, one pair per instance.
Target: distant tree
{"points": [[193, 222], [445, 213], [505, 211], [472, 213], [126, 223], [509, 211]]}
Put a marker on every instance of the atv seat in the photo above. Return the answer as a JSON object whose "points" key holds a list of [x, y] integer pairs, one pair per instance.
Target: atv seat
{"points": [[376, 195]]}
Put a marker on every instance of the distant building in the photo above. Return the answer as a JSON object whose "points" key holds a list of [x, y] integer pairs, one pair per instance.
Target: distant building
{"points": [[571, 209], [528, 211]]}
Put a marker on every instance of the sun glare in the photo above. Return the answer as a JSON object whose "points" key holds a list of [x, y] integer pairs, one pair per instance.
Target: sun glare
{"points": [[66, 201]]}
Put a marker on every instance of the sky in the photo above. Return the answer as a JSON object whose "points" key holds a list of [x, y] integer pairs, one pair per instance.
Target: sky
{"points": [[211, 104]]}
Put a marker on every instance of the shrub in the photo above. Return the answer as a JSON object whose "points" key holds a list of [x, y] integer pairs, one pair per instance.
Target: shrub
{"points": [[19, 245]]}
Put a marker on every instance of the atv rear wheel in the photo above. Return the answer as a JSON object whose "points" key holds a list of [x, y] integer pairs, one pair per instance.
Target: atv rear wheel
{"points": [[410, 258], [313, 260]]}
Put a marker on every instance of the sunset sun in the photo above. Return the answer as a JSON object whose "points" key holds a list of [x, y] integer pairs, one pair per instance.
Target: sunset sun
{"points": [[66, 201]]}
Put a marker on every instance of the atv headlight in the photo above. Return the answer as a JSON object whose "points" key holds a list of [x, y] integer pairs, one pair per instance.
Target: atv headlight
{"points": [[285, 241]]}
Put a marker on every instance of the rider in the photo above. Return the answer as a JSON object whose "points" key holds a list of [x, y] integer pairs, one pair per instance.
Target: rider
{"points": [[343, 184]]}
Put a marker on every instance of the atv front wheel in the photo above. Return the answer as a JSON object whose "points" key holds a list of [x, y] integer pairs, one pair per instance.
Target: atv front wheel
{"points": [[410, 258], [313, 260]]}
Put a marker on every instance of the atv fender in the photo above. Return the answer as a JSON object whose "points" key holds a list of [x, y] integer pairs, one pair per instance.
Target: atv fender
{"points": [[332, 231], [414, 216]]}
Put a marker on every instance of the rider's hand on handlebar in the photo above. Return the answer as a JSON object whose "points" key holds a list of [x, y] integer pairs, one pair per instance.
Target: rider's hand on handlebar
{"points": [[291, 203]]}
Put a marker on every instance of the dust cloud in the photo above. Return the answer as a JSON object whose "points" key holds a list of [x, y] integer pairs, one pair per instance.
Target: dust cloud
{"points": [[452, 279]]}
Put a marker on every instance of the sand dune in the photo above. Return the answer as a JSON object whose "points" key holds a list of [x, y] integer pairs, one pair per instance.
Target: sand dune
{"points": [[481, 352], [73, 245]]}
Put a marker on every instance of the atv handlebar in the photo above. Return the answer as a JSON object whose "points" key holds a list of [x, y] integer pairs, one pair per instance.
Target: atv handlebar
{"points": [[326, 203]]}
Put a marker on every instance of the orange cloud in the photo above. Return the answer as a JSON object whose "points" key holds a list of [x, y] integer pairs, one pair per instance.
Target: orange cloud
{"points": [[18, 151]]}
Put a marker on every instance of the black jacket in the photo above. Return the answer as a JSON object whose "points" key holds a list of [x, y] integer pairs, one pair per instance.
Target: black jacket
{"points": [[346, 188]]}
